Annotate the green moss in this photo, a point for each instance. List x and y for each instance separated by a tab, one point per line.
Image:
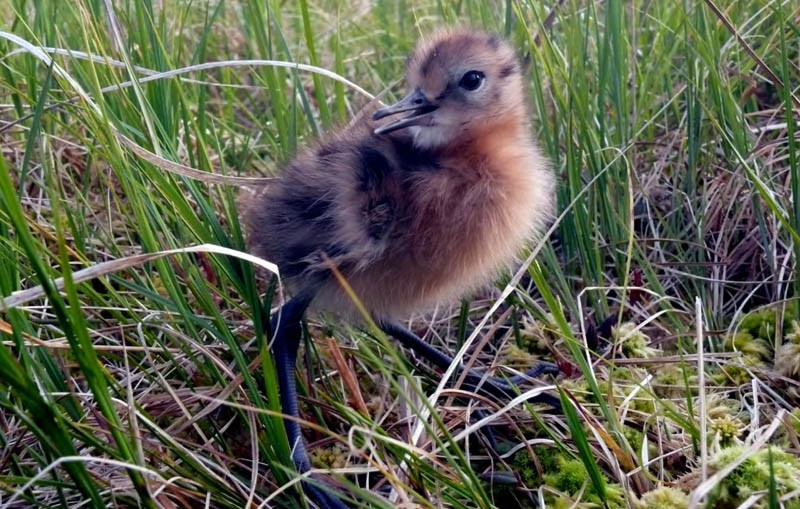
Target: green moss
549	459
726	429
615	497
578	388
634	437
610	391
664	497
537	336
516	357
571	477
763	323
753	475
624	382
634	343
334	456
670	380
749	345
732	374
794	334
629	373
794	420
522	463
719	406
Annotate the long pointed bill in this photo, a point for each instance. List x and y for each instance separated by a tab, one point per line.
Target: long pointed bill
415	102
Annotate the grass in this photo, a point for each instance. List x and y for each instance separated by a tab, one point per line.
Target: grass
131	380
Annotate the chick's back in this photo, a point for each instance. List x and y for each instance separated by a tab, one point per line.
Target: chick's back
340	203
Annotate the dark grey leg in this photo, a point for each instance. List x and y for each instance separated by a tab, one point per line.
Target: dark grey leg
287	331
496	387
491	386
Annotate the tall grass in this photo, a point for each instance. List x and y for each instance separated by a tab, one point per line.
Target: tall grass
149	382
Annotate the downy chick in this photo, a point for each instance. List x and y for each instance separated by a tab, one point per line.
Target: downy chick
421	209
414	204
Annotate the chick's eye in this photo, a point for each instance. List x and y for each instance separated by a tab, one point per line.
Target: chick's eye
471	80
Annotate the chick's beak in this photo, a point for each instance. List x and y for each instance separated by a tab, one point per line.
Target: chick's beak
415	102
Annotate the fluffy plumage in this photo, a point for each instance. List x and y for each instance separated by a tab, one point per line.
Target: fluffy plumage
415	204
422	213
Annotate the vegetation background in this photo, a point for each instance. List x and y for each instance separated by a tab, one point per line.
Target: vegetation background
134	370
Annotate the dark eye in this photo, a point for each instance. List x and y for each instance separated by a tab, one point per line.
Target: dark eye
471	80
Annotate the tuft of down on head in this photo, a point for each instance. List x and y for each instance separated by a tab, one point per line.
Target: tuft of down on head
462	83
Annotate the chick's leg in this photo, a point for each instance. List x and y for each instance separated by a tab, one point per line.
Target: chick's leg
493	386
287	331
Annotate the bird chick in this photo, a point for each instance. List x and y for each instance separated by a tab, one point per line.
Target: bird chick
414	204
420	210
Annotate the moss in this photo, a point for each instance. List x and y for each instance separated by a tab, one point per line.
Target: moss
524	465
787	360
549	459
578	388
726	430
629	373
732	374
334	456
793	336
634	437
753	475
610	391
794	420
616	388
615	497
566	475
719	406
571	477
664	497
515	357
634	343
670	380
748	345
537	336
763	323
